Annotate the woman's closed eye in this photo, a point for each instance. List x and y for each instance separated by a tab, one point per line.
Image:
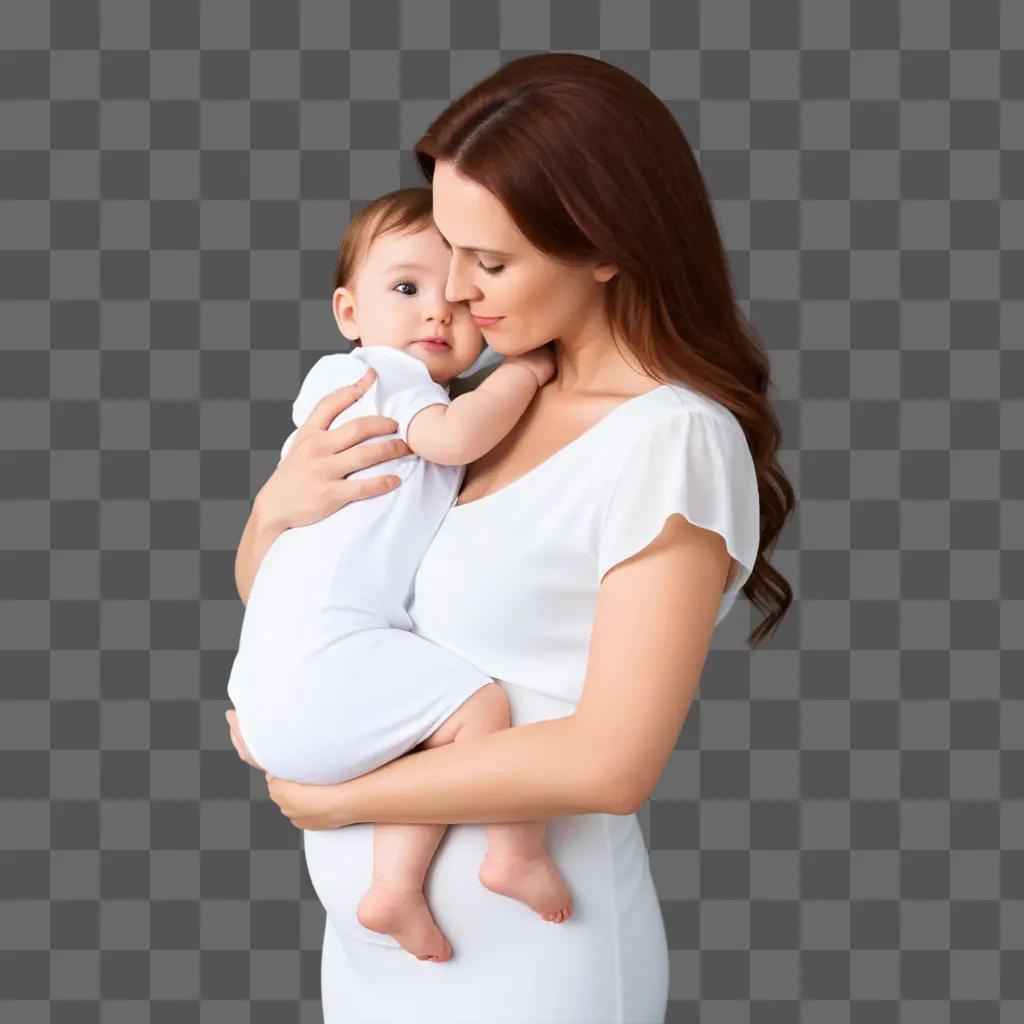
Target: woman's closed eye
489	270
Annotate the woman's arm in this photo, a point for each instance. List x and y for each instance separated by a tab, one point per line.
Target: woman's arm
655	615
259	533
527	773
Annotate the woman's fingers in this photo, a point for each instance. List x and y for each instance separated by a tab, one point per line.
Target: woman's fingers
363	455
307	807
351	432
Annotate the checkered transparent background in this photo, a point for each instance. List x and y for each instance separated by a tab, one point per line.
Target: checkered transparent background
839	836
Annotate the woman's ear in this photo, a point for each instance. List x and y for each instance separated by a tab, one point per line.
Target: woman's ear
343	304
605	272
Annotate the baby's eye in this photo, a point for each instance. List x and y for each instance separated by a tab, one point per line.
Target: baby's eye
407	284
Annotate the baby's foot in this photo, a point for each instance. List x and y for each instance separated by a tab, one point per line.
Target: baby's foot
403	914
536	882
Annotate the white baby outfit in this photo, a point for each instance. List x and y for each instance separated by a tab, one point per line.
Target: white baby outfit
329	682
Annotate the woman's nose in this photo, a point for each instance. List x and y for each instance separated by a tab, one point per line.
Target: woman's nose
458	288
440	310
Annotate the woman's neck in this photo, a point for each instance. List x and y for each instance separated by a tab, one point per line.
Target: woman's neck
589	362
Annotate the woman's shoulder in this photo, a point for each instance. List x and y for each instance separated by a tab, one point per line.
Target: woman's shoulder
682	452
679	396
671	408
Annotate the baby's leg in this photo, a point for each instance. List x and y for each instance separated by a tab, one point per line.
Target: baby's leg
327	712
517	864
395	904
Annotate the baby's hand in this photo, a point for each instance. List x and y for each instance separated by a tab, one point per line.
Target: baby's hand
540	361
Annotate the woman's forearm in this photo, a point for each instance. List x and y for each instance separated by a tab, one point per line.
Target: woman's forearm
539	770
258	535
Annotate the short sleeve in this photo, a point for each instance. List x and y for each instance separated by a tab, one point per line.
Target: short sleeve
326	375
402	389
407	387
696	463
409	403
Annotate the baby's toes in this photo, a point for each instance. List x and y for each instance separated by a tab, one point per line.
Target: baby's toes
560	915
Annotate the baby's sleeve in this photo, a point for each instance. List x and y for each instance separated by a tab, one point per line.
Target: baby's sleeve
695	463
406	386
324	376
415	400
413	389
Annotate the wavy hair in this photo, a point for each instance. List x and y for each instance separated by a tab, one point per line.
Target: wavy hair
593	167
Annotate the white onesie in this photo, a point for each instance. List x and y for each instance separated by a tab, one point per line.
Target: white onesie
329	682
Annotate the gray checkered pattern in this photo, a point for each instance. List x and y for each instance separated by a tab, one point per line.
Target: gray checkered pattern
839	835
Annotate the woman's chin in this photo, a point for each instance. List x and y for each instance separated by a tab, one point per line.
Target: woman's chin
502	347
506	345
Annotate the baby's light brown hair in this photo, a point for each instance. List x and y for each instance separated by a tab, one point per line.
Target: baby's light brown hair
405	209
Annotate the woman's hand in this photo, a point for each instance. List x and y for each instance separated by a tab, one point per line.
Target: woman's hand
308	807
310	482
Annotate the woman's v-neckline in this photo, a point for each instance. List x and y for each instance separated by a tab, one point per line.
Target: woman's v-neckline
556	454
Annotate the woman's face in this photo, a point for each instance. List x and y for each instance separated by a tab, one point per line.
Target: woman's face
498	272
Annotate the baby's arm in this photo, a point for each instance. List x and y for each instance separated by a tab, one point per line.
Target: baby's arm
472	424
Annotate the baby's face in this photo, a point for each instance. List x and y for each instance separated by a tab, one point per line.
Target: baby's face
398	301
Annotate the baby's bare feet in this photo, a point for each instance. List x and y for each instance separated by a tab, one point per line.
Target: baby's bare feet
403	914
537	882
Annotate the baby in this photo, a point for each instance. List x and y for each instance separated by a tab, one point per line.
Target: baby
329	682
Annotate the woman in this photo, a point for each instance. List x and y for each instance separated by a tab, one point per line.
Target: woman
585	563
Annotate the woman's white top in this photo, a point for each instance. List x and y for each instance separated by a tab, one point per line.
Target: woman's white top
510	582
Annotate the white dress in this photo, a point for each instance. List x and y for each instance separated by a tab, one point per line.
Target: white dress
510	583
329	682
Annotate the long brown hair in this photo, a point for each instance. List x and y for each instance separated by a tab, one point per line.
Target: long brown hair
593	167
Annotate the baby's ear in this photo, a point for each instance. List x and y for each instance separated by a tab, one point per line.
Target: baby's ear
344	308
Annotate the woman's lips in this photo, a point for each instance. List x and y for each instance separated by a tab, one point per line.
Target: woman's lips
485	321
